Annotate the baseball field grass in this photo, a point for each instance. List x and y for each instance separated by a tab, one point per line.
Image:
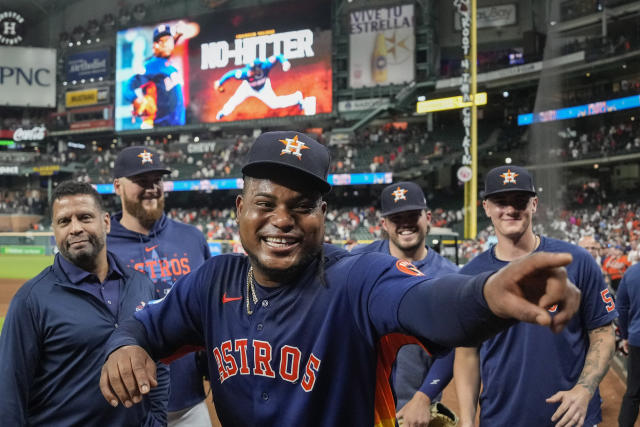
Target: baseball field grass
23	266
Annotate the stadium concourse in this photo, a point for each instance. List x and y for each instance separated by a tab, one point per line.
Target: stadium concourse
375	81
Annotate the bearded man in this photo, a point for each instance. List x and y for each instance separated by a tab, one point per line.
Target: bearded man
165	250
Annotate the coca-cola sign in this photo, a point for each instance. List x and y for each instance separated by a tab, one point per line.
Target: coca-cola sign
35	134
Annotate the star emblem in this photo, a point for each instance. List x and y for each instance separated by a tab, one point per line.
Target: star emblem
293	147
509	177
146	157
399	194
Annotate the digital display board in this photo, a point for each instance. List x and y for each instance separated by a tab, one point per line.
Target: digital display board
239	64
237	183
577	111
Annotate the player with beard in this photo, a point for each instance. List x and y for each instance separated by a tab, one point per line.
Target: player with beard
164	249
52	342
418	378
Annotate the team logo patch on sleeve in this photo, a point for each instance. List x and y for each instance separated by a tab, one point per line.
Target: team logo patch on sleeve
408	268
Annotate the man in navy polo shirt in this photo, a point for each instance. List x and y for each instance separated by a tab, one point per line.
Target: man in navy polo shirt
165	250
418	378
52	342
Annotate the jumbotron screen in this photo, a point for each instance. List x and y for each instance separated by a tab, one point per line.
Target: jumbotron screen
241	64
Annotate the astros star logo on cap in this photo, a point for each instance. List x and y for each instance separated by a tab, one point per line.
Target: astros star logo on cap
146	157
509	177
399	194
293	147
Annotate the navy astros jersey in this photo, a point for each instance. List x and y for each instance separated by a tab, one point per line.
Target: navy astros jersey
412	367
307	356
526	364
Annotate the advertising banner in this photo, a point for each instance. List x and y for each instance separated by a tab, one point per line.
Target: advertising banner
492	16
362	104
83	98
240	64
27	77
87	65
381	46
22	250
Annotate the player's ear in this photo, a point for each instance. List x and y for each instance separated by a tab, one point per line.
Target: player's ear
486	208
429	216
117	186
239	206
383	223
534	204
107	222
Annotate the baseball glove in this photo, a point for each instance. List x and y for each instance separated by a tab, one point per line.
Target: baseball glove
145	106
441	416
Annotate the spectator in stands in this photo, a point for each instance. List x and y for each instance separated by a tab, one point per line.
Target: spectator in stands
592	246
615	266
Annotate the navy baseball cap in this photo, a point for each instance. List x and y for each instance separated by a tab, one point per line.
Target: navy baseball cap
402	197
508	178
162	30
136	160
286	154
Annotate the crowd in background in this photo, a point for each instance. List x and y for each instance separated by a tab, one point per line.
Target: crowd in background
614	226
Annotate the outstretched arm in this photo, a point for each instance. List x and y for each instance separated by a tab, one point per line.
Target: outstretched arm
238	73
522	290
466	371
574	402
286	65
162	329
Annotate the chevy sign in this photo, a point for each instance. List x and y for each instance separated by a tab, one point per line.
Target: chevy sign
27	77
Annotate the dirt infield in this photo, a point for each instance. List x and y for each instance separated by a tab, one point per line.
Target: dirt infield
8	288
611	389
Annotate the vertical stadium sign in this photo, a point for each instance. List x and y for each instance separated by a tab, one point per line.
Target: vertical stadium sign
463	9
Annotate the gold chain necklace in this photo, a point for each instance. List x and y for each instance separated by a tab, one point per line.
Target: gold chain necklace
251	290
